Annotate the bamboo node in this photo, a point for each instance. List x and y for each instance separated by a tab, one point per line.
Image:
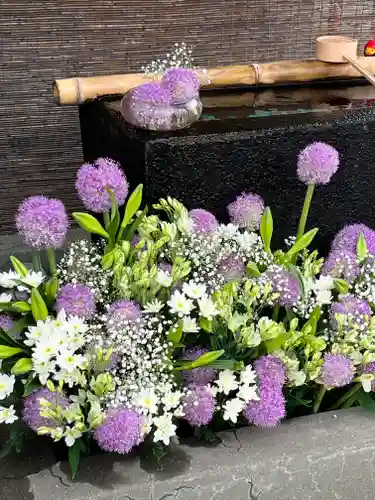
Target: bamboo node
258	73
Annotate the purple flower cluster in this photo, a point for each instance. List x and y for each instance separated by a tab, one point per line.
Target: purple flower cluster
6	322
270	409
120	431
370	368
94	180
199	406
285	285
317	163
197	376
124	310
42	222
246	211
337	370
232	267
347	238
32	408
358	310
151	93
182	84
76	299
202	221
342	263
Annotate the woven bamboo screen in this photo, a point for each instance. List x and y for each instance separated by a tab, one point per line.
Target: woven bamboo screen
46	39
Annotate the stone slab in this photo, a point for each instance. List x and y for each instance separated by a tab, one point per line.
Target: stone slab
325	457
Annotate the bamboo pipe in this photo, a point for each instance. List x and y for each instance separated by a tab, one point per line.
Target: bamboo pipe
72	91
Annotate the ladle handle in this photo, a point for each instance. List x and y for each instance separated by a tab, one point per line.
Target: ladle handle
359	68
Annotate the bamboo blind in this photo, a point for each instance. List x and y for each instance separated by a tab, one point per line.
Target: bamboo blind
47	39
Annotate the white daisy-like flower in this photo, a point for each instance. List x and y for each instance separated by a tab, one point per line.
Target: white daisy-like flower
32	279
194	290
248	375
248	393
246	240
6	385
323	297
164	279
165	428
171	399
147	400
189	325
232	409
5	298
226	382
324	283
7	280
154	306
69	361
180	304
7	415
227	230
207	308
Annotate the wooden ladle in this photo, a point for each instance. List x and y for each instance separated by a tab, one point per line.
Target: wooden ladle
340	49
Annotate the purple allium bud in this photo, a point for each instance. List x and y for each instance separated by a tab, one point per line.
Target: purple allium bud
6	322
120	431
347	238
182	84
124	310
353	306
151	93
42	222
94	180
246	211
272	369
269	410
342	264
232	267
284	284
202	221
76	299
199	406
166	267
317	163
32	408
370	368
197	376
337	370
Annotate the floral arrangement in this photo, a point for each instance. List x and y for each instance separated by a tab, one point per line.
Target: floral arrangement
169	317
171	99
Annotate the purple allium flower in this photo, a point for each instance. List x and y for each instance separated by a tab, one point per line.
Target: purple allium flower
285	284
42	222
166	267
370	368
232	267
337	370
246	211
269	410
317	163
6	322
120	431
94	180
32	407
353	306
182	84
76	299
342	264
197	376
202	220
272	369
124	310
151	93
347	238
199	406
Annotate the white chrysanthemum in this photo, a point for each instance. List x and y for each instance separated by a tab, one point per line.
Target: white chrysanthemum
226	382
165	428
6	385
32	279
153	307
207	308
180	304
194	290
164	279
7	415
189	325
5	298
248	375
147	400
8	279
232	409
248	393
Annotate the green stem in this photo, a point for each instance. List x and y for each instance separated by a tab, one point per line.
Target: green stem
346	396
319	398
52	261
107	221
305	210
276	310
37	265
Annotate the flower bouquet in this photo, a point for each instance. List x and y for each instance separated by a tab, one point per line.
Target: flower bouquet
170	319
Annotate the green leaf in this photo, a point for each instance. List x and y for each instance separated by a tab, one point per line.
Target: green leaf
132	206
252	270
205	359
361	247
342	286
266	229
302	243
8	352
366	401
21	324
75	455
107	259
312	323
31	385
227	364
175	334
205	324
22	307
298	276
14	442
20	268
113	227
275	344
114	207
23	365
90	224
134	226
38	306
52	287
